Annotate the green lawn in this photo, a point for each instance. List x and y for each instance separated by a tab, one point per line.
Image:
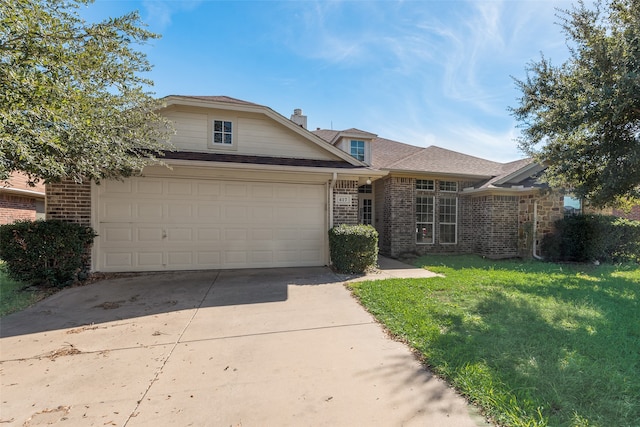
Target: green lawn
13	295
533	344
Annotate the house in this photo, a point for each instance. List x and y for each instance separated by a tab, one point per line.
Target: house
21	201
249	188
434	200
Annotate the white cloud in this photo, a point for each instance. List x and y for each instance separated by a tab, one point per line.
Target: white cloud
159	13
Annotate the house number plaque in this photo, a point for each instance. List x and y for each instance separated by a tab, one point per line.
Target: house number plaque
343	199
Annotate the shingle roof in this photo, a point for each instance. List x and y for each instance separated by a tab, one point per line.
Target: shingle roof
392	155
225	99
440	160
385	152
326	134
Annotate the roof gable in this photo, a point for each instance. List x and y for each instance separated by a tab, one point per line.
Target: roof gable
264	132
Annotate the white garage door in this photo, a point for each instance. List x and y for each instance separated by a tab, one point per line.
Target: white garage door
152	224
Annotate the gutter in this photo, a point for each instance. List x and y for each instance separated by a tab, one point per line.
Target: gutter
20	192
334	178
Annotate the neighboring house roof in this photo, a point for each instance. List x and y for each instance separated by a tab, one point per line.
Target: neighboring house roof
18	183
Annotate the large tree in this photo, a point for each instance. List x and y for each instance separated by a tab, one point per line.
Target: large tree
582	118
73	99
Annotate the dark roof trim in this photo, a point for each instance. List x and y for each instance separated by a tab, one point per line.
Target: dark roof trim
258	160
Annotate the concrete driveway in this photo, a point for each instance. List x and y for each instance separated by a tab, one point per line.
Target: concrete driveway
273	347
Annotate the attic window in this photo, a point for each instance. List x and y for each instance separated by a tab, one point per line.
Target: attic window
222	132
356	149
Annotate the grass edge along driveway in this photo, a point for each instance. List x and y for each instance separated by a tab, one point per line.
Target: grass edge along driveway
531	343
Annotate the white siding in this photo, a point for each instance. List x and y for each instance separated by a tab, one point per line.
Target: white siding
257	134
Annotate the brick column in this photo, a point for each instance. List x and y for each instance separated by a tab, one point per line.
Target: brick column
69	201
345	214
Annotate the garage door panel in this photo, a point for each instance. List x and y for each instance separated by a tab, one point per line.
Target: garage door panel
208	234
170	223
147	234
151	259
175	259
179	188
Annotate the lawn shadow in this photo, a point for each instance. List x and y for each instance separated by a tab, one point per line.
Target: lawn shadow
577	360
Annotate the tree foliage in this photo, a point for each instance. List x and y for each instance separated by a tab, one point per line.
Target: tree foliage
582	118
73	102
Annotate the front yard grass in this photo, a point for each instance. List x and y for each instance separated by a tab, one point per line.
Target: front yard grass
531	343
15	296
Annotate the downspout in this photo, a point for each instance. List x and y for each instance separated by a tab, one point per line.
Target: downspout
535	230
331	187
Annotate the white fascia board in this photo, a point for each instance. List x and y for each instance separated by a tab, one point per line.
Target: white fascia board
405	172
500	190
529	169
21	192
178	100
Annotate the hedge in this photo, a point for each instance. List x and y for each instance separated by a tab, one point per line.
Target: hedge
50	253
588	238
353	248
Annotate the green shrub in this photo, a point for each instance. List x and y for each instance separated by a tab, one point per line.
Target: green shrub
353	248
585	238
51	253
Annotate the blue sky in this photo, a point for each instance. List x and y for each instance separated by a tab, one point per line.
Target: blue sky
420	72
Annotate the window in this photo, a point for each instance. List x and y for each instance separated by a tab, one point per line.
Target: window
365	189
448	219
572	206
222	132
424	219
448	186
357	150
425	184
366	211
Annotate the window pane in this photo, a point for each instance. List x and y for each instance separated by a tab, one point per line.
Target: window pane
424	233
447	233
227	138
357	149
217	138
217	126
227	127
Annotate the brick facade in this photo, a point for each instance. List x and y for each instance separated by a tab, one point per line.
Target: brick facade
15	207
345	214
19	200
492	225
69	201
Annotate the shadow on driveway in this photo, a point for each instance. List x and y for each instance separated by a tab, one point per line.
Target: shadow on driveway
148	294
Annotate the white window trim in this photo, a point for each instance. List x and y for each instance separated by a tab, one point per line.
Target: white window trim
455	242
234	133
